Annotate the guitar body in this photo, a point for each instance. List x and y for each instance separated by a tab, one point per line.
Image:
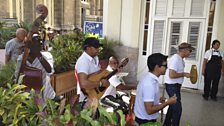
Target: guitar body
96	93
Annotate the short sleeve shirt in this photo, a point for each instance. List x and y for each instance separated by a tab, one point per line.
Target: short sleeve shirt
13	49
177	64
147	91
48	90
210	52
88	65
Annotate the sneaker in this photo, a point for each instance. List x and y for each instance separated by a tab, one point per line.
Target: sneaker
205	97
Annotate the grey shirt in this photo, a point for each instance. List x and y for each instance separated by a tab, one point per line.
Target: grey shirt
13	49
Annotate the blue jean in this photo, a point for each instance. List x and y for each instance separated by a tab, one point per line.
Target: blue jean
174	111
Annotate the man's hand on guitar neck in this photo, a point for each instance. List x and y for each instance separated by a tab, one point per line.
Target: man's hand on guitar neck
104	82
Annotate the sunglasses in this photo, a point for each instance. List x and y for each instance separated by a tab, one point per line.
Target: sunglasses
190	50
164	65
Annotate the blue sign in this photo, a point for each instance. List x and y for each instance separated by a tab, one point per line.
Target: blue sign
95	28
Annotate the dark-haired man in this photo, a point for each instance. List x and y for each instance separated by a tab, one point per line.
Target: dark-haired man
88	63
41	60
147	101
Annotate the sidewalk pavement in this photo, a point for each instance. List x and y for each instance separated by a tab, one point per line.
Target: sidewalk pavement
199	112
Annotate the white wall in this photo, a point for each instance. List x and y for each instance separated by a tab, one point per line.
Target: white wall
121	20
112	18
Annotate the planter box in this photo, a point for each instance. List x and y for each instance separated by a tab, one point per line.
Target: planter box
64	84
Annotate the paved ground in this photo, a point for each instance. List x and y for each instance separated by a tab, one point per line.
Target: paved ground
198	112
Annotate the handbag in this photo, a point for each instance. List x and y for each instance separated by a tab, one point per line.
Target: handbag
32	78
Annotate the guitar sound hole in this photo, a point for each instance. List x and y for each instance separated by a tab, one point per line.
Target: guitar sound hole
101	89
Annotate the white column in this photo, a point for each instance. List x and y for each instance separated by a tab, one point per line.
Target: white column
112	18
19	10
218	26
218	30
10	9
130	22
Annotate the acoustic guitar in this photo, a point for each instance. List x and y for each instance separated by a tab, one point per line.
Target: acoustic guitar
105	74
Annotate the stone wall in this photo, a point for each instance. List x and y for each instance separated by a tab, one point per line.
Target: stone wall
131	67
4	11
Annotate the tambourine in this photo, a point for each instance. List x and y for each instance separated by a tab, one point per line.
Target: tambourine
194	74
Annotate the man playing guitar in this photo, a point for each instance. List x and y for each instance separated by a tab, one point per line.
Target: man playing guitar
87	64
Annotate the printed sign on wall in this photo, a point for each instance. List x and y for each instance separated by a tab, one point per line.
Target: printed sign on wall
95	28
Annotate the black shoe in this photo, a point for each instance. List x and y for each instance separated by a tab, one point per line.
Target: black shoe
205	97
58	98
214	98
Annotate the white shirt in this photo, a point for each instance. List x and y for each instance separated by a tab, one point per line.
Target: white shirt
46	80
147	91
88	65
177	64
114	82
210	52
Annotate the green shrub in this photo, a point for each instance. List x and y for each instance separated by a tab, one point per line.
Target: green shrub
66	49
6	33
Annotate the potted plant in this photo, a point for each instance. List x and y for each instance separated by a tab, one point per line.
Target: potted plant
66	49
27	108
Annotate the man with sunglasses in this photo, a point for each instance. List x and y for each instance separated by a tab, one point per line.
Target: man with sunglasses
174	78
88	63
147	102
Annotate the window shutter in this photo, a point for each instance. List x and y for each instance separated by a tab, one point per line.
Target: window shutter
197	7
175	37
161	8
178	7
193	37
158	36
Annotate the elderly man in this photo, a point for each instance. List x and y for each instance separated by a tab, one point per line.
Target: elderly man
14	46
174	78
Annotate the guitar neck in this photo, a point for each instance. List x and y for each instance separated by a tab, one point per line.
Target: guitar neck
111	74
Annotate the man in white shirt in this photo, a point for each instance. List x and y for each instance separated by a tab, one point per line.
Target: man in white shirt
213	66
147	100
174	78
88	63
115	82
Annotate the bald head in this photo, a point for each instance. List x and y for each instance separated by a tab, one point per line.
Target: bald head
21	34
113	62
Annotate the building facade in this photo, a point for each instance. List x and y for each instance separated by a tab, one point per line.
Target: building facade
62	14
149	26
